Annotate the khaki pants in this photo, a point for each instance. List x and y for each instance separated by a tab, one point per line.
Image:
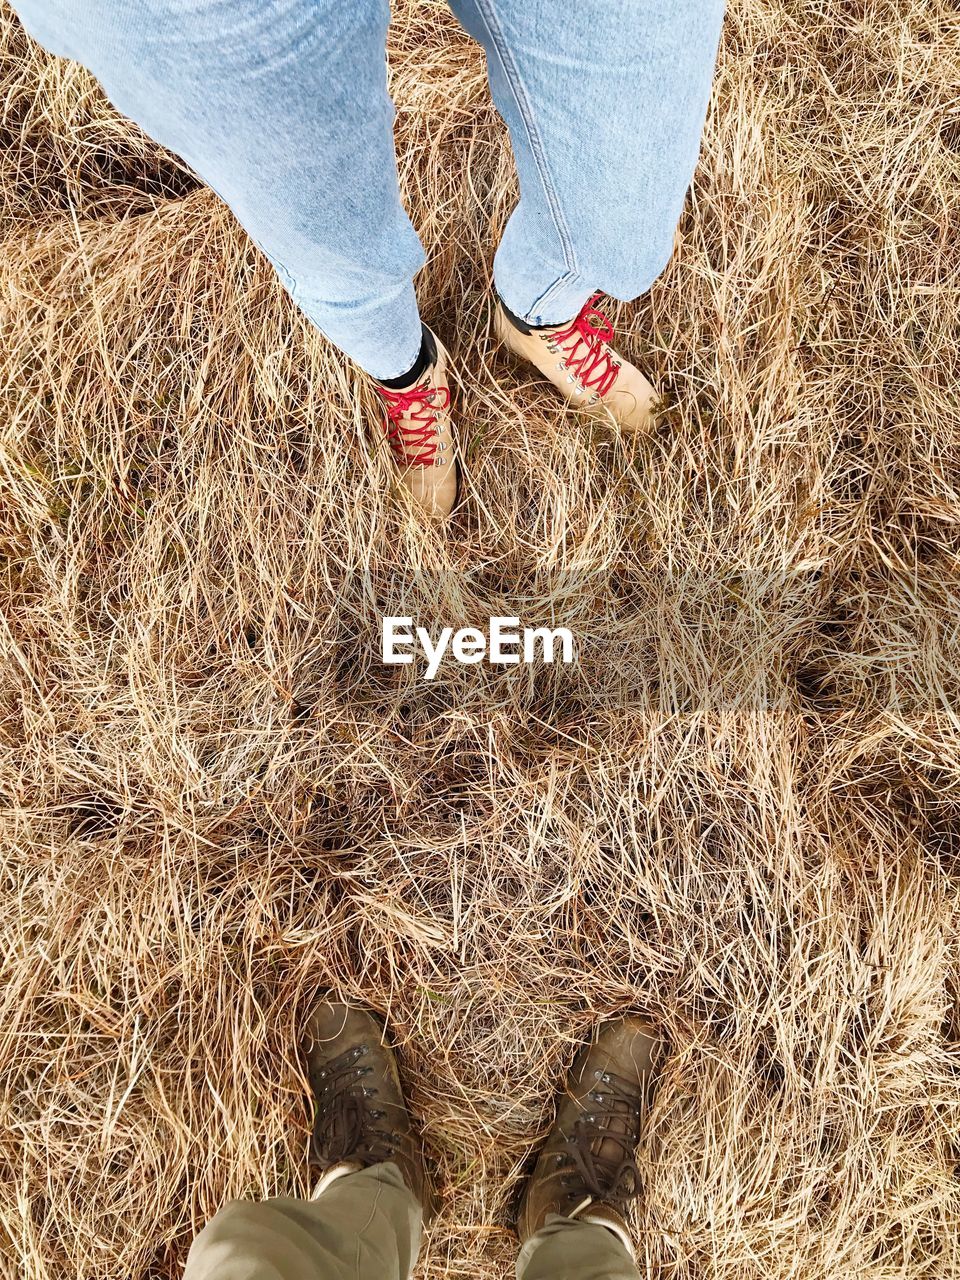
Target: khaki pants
366	1226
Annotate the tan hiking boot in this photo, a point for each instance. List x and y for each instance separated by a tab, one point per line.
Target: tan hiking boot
578	359
420	434
361	1118
587	1167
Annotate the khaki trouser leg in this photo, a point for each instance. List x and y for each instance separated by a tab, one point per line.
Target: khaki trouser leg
364	1226
573	1249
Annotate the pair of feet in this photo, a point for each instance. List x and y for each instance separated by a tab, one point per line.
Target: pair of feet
577	358
586	1169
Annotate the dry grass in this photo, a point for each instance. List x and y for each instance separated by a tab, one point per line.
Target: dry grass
740	813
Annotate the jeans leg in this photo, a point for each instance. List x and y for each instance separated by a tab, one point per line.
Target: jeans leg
364	1226
282	107
574	1249
605	102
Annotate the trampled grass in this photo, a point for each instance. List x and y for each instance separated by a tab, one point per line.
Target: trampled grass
739	813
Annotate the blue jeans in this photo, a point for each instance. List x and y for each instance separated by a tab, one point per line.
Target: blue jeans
282	107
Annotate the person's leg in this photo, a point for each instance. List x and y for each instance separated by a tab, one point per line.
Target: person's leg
572	1223
573	1249
605	102
364	1226
283	109
373	1194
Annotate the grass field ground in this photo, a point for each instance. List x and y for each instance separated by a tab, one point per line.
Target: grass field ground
740	813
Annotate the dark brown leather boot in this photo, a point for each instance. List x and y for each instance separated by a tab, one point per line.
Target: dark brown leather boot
361	1118
587	1167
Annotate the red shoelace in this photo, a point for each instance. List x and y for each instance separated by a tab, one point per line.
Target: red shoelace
413	436
596	368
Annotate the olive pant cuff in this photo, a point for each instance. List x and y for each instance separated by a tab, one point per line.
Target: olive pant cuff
575	1249
366	1224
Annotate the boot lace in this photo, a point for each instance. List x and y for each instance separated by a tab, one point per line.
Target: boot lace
346	1127
585	347
413	436
615	1178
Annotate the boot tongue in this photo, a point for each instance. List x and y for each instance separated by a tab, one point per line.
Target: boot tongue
605	1158
343	1131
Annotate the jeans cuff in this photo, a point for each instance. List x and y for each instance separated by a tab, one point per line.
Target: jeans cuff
543	302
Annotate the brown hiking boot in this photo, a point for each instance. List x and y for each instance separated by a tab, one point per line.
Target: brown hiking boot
587	1167
361	1118
578	359
420	434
